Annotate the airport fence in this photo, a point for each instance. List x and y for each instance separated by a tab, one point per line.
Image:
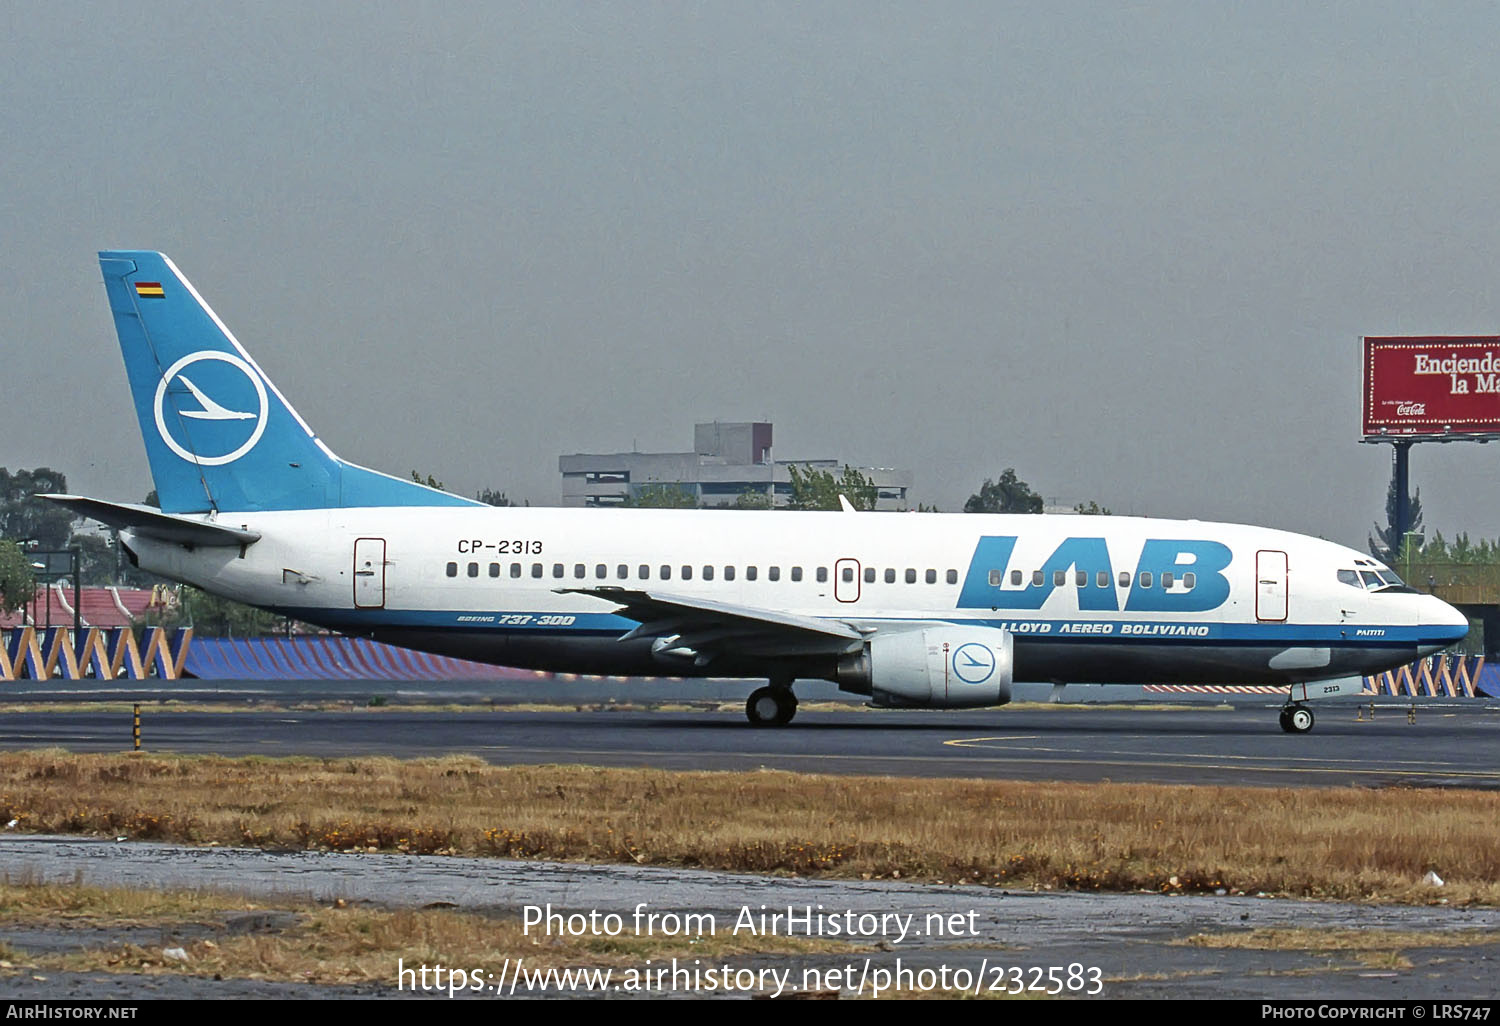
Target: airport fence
120	653
105	653
1439	676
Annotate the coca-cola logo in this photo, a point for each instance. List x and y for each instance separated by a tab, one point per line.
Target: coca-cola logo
1411	410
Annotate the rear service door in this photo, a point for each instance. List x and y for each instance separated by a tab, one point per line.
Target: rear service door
1270	585
369	573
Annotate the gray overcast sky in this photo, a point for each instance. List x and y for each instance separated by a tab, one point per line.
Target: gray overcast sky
1127	249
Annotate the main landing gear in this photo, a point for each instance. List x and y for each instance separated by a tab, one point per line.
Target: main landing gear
772	706
1296	718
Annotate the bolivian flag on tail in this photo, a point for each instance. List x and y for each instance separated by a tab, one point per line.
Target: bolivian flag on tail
149	289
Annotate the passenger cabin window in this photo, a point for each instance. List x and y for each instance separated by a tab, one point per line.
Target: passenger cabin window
774	573
952	577
869	575
1081	578
796	573
1102	580
751	573
536	571
995	578
452	569
890	575
578	570
666	572
931	577
822	574
1189	580
622	572
515	569
473	569
557	569
911	576
1059	578
1124	578
643	572
601	571
729	573
1166	578
494	569
1145	578
1015	578
708	572
1036	578
687	572
847	574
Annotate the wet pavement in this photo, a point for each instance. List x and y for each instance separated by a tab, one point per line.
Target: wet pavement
1120	945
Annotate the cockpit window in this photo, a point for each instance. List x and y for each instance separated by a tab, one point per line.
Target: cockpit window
1372	580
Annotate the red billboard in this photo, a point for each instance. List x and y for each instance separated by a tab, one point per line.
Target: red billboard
1432	387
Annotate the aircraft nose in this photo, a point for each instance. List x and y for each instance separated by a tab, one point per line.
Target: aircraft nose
1441	622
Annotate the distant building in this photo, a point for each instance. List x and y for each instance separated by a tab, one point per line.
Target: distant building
727	461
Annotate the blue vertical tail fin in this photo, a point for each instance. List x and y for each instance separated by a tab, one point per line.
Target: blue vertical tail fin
219	435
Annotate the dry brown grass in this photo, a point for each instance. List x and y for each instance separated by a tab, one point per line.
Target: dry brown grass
1337	842
1336	939
335	944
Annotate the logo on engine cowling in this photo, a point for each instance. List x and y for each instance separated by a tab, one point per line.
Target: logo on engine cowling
973	663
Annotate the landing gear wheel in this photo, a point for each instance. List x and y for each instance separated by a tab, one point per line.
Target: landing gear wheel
771	707
1296	719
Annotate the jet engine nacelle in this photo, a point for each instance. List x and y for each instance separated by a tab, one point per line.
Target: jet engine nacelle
934	667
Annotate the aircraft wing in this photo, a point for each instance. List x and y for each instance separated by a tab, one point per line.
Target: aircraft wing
704	629
153	523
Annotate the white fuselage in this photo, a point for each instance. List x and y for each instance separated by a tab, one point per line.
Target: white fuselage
1090	599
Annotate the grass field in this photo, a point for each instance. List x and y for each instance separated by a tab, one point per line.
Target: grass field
1327	843
326	944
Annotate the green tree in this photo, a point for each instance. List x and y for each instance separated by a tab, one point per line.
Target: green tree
662	496
213	616
819	489
752	498
24	517
17	582
431	481
1384	545
491	497
1093	509
97	561
1008	495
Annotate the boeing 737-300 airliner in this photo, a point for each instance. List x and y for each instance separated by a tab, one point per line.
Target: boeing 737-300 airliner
910	609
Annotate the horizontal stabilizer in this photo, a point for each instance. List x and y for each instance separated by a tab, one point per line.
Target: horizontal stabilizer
153	523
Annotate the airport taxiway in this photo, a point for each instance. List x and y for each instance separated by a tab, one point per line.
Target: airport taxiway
1450	745
1139	941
